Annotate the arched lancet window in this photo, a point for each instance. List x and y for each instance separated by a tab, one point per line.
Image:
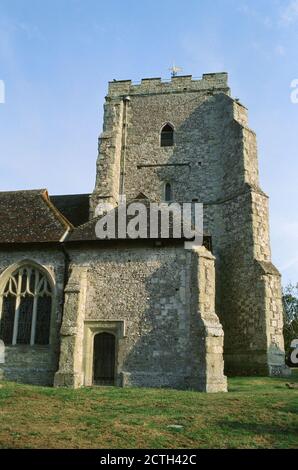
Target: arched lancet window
26	306
167	136
168	192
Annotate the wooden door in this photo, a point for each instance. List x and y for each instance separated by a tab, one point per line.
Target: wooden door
104	359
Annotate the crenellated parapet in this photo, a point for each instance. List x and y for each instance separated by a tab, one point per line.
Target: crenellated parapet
209	81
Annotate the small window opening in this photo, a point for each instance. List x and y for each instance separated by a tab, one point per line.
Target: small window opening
167	136
168	192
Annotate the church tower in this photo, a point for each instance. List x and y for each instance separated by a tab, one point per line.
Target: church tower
188	140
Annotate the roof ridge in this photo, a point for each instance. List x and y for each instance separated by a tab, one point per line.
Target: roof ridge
62	219
69	195
25	191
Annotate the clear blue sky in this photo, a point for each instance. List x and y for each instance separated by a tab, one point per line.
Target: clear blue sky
56	57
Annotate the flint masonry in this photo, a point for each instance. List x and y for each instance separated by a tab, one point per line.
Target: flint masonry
79	311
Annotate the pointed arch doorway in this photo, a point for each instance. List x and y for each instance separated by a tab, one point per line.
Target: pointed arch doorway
104	353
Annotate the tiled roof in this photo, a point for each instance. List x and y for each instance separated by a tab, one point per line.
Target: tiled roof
75	207
87	231
33	217
30	217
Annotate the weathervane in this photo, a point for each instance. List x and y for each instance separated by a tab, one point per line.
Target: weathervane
174	69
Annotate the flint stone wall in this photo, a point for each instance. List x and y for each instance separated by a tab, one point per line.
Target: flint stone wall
165	299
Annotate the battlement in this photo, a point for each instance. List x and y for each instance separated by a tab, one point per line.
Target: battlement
209	81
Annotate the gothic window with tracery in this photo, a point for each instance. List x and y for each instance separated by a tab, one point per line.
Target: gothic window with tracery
26	306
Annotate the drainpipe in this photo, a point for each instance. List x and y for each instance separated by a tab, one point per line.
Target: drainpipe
65	280
66	268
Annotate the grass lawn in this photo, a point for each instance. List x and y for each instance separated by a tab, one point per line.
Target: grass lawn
256	413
